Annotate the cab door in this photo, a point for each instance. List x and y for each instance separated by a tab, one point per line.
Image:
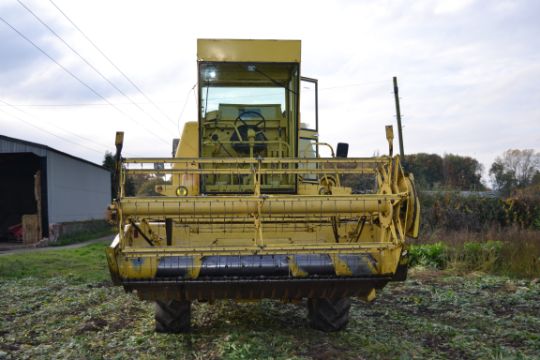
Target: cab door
309	123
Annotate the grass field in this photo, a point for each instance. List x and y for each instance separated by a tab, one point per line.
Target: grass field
60	304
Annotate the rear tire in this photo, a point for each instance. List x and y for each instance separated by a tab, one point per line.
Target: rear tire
173	316
328	314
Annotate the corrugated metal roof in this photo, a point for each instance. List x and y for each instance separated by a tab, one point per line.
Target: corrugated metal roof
13	145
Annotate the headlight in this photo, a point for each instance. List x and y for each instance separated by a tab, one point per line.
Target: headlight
181	191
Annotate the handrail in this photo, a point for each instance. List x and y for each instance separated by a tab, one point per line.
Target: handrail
328	248
224	160
248	171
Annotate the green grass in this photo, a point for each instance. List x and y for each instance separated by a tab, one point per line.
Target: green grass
84	264
84	236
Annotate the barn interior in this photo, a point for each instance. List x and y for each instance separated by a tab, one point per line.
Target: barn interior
23	198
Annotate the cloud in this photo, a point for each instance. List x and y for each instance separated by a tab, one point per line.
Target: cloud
19	57
29	74
451	6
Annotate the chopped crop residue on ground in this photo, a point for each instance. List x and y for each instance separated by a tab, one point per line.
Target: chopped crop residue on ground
432	315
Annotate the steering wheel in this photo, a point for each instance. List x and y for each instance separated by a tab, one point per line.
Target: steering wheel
240	133
244	123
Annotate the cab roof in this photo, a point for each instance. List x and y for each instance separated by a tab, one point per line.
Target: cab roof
236	50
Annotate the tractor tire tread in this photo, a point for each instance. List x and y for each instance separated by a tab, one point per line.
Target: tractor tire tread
173	316
329	315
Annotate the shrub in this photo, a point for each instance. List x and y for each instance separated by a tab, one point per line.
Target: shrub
478	256
430	255
513	252
478	212
452	211
523	208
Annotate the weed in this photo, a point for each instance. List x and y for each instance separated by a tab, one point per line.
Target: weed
430	255
512	252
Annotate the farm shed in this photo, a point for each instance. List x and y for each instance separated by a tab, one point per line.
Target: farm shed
41	189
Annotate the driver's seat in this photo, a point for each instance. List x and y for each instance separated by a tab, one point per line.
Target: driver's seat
241	145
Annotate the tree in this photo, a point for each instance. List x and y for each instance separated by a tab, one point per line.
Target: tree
110	163
462	172
147	188
427	169
503	180
536	179
515	169
431	171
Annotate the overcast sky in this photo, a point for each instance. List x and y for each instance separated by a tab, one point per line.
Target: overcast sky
469	71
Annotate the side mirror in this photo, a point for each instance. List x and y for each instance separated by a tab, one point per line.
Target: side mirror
342	150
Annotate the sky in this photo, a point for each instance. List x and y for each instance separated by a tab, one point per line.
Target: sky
468	71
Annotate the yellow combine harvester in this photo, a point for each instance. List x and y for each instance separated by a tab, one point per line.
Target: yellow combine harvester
250	209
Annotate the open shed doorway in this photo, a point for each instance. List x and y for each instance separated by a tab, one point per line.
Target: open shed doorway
23	198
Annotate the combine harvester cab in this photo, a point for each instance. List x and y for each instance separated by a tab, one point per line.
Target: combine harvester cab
248	208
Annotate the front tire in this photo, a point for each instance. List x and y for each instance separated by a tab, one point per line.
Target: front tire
328	314
173	316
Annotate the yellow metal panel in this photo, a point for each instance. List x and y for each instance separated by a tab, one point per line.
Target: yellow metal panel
187	147
111	253
369	297
229	50
189	142
271	204
137	268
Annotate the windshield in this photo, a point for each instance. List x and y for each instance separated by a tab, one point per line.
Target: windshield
213	97
247	110
247	84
